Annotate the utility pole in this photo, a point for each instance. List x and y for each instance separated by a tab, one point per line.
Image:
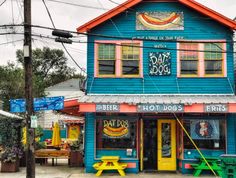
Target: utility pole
30	144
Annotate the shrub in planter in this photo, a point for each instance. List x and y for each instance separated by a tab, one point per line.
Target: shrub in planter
10	159
76	152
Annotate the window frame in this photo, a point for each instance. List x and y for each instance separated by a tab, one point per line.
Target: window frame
118	59
201	60
224	126
134	118
190	75
121	58
212	75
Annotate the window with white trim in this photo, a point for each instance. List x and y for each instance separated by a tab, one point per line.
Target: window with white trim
118	59
201	59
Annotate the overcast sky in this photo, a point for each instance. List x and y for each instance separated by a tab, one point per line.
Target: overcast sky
67	17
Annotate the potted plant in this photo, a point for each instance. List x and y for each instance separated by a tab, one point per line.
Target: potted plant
11	146
10	159
76	152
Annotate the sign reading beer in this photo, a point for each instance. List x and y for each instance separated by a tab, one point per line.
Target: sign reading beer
216	108
115	128
107	107
160	108
159	63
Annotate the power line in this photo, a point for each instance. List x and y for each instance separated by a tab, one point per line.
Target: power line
143	47
62	43
3	2
113	23
46	43
124	38
114	2
78	5
10	42
49	14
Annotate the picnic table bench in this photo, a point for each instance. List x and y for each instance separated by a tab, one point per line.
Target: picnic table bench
53	154
110	163
201	166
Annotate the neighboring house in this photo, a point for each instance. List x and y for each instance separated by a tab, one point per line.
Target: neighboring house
6	114
70	89
152	65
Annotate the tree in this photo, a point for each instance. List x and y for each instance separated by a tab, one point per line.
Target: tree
49	68
50	65
12	84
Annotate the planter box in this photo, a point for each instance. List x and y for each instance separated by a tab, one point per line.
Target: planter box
10	167
76	159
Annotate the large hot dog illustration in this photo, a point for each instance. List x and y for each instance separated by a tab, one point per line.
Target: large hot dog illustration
115	132
155	23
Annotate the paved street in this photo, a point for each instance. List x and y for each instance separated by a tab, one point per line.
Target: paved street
63	171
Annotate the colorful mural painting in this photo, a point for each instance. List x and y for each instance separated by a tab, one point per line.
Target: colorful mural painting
73	131
116	128
205	129
159	21
159	63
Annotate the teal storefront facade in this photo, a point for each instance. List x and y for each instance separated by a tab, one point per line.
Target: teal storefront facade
150	65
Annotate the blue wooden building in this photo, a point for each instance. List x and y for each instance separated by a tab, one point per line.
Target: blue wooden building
155	67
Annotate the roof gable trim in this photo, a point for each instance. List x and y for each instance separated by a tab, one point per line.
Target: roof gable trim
130	3
111	13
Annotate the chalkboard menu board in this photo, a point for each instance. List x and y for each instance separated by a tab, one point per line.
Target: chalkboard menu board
159	63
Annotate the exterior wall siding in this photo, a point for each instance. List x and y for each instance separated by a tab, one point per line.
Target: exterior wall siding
89	142
231	134
196	27
90	148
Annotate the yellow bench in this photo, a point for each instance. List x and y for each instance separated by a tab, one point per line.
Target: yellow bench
110	163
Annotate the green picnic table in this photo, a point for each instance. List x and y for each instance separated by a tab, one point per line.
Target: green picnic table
201	165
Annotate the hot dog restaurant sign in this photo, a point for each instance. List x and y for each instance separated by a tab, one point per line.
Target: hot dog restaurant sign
116	128
159	20
161	108
159	63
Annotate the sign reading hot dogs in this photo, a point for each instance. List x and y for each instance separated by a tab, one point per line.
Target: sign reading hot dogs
116	128
160	108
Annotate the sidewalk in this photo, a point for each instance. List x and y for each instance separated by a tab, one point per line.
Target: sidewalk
63	171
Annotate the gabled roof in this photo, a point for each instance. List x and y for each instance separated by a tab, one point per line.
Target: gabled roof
130	3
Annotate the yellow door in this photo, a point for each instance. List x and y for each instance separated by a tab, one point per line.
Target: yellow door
141	145
166	139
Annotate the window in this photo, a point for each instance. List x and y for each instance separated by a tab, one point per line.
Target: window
213	60
118	59
130	59
106	59
116	133
189	59
207	134
201	59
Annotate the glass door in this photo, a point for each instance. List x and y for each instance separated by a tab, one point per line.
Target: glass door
166	139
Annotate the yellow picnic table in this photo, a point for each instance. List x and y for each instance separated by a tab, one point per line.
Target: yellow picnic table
110	163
